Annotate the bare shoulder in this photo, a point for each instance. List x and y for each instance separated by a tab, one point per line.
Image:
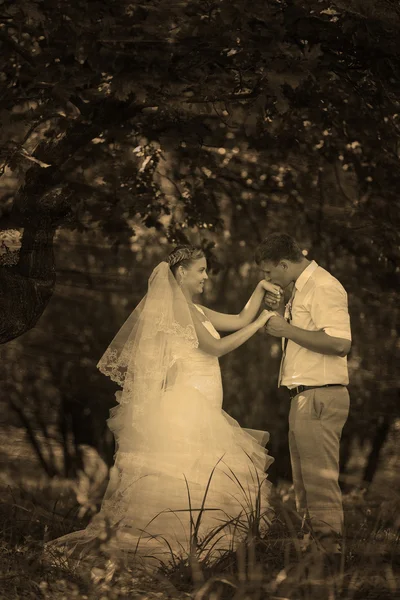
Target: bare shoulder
197	311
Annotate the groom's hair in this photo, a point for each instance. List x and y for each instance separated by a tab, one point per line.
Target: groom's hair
276	247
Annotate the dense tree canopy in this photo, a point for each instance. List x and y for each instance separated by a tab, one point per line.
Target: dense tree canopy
278	103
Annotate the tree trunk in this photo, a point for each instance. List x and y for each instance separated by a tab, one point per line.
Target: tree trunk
27	284
73	458
378	442
26	288
42	204
48	467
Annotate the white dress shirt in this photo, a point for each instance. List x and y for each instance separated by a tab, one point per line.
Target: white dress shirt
319	303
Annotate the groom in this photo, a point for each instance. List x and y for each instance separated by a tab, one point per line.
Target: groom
316	340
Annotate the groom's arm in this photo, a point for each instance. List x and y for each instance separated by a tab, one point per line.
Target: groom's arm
317	341
329	313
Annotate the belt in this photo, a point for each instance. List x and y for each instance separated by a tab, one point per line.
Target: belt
302	388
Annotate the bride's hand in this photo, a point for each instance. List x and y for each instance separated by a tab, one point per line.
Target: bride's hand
264	317
270	287
274	297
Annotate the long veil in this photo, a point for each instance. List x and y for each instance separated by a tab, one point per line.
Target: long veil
142	359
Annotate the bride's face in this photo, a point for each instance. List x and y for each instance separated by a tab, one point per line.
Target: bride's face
192	278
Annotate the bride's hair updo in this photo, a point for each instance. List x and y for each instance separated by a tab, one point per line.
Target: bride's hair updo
184	256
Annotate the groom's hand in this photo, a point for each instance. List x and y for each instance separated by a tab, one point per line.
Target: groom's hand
277	326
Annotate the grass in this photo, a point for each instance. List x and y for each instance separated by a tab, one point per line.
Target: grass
274	566
277	566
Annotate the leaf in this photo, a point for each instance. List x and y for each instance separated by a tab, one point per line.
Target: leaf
123	87
329	11
26	154
33	15
312	53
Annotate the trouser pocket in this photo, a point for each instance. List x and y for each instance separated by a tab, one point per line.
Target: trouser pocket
317	404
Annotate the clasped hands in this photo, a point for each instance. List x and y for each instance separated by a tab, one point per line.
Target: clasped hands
274	300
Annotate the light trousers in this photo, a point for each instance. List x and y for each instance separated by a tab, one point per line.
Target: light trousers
316	420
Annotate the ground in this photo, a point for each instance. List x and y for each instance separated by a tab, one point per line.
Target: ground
35	509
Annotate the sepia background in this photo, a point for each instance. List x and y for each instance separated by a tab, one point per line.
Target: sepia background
126	129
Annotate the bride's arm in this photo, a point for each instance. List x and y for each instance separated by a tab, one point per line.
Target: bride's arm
224	322
219	347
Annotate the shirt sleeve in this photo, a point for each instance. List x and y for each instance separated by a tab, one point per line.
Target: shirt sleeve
329	310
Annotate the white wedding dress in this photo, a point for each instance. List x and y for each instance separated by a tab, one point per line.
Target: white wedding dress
149	493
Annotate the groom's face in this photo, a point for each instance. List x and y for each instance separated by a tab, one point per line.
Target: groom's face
277	274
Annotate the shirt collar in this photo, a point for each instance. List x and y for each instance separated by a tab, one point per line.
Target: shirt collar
305	275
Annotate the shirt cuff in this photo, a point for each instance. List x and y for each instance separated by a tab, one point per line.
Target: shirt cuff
340	333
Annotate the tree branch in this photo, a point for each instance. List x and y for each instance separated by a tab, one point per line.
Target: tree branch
18	49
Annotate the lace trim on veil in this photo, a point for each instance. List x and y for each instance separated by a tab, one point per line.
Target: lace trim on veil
113	365
140	356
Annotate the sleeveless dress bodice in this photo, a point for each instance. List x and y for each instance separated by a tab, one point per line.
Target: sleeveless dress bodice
199	369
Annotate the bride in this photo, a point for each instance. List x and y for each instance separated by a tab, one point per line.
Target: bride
184	470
